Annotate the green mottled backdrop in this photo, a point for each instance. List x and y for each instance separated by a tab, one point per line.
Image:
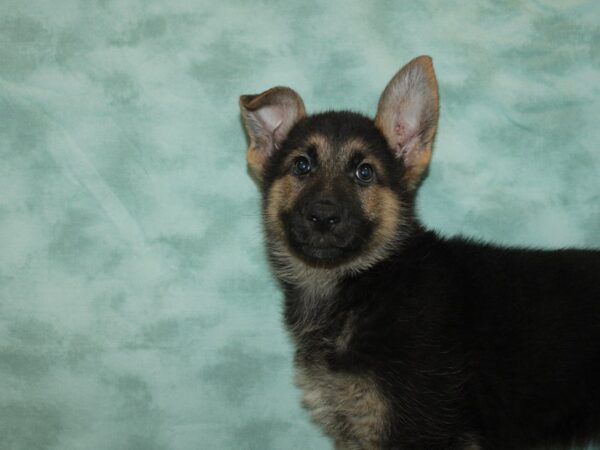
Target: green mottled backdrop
136	307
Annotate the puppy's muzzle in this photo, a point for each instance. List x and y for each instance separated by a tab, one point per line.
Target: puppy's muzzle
324	229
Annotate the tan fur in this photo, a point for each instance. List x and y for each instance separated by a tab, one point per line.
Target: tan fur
348	148
327	153
320	141
351	408
255	160
280	198
323	147
382	206
343	340
418	165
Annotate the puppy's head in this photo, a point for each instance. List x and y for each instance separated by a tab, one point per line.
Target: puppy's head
338	186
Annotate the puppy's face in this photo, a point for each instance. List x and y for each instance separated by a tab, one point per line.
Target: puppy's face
332	191
337	186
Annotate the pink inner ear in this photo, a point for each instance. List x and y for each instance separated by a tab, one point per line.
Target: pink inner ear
405	133
271	117
277	121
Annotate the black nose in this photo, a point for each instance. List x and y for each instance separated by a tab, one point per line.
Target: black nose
324	215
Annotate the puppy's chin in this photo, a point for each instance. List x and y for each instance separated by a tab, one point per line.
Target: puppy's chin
322	256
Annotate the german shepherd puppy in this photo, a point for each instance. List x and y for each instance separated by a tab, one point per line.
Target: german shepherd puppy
405	339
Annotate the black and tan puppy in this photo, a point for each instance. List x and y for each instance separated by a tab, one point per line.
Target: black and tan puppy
406	340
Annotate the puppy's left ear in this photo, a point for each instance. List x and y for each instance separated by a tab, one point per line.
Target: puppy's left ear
268	118
407	115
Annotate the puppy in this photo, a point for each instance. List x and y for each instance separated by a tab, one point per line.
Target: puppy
405	339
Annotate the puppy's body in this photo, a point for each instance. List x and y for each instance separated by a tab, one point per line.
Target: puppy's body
404	339
456	345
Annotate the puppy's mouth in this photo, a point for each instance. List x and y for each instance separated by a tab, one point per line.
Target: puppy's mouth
322	253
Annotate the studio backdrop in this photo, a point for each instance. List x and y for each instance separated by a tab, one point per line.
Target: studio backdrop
137	310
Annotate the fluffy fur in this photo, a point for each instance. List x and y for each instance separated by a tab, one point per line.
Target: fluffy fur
404	339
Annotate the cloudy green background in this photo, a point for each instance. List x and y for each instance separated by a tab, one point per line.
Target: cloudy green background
136	307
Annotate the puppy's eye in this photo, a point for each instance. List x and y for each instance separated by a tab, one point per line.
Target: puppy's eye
365	173
301	166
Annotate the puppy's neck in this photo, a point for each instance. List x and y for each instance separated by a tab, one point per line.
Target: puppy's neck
311	294
313	290
309	283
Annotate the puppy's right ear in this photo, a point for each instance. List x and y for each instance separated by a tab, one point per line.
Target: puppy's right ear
268	118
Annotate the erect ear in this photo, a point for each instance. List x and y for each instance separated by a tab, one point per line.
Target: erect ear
407	115
268	118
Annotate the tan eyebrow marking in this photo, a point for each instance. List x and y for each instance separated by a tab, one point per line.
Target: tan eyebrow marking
320	142
350	147
359	145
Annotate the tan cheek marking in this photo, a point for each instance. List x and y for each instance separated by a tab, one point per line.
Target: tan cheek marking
281	197
382	206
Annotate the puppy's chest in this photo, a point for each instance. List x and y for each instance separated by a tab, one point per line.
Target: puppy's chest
348	404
